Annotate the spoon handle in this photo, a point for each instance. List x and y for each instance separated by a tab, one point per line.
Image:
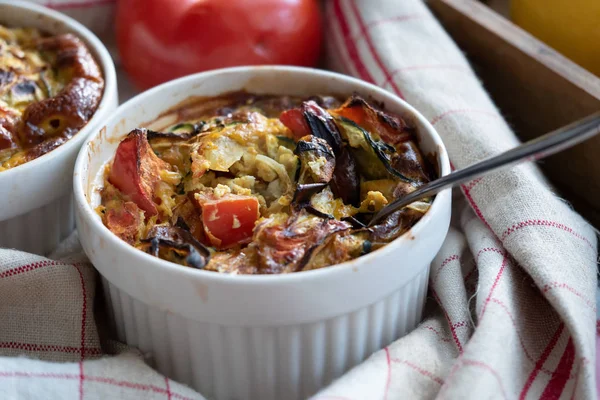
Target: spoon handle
532	150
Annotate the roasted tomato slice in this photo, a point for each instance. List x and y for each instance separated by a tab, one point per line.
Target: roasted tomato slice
295	121
391	129
136	170
229	221
125	221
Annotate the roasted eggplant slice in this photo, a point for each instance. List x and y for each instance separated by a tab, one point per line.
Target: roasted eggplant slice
345	180
310	119
317	161
322	125
284	243
395	225
408	159
176	245
318	213
180	131
334	249
305	191
187	216
268	195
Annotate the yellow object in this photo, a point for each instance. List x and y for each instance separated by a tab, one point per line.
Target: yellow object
570	26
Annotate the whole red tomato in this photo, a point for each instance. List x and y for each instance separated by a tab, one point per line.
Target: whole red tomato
160	40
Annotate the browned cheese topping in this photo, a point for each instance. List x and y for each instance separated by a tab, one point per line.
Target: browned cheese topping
248	184
50	86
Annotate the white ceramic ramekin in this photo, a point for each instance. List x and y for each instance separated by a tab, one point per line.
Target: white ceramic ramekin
258	337
36	198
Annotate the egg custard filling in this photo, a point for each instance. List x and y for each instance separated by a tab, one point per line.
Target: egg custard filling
260	184
50	86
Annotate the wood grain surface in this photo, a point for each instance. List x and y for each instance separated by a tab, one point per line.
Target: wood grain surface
536	88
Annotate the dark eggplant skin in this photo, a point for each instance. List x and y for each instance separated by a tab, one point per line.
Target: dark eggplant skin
408	158
318	213
178	238
314	144
345	182
305	191
196	129
395	225
321	125
311	148
297	234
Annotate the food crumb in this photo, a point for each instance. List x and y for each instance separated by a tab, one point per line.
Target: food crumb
213	216
236	222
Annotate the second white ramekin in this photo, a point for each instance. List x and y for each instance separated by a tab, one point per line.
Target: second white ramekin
36	205
258	337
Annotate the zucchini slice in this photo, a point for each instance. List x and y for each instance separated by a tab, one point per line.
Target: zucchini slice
368	151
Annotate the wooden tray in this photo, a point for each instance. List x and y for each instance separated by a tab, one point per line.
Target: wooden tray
537	90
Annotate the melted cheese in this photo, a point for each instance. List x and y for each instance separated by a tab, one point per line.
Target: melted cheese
29	75
251	156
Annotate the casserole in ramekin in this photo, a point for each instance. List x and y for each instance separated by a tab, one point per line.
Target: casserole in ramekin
259	336
36	206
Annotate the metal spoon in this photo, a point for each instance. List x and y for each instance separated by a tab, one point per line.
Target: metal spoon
535	149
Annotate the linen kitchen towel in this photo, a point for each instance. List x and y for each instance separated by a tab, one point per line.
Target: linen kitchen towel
512	308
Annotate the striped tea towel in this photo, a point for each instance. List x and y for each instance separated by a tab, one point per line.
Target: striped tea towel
512	310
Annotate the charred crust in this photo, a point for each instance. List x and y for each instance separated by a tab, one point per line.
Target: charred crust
45	147
71	52
177	238
313	143
356	101
387	119
6	138
395	123
142	146
73	106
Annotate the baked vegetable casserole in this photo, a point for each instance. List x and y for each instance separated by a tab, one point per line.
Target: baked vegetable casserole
261	184
50	86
